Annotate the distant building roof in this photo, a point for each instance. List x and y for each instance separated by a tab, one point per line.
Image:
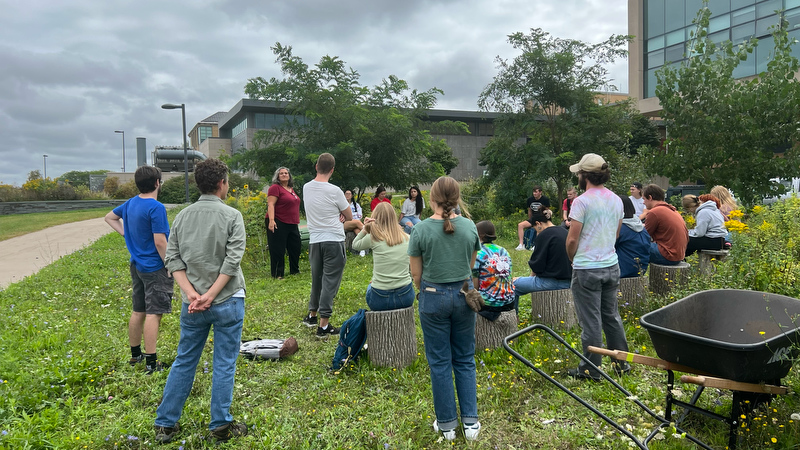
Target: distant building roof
214	118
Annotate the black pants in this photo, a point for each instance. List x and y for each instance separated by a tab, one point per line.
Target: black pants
285	239
704	243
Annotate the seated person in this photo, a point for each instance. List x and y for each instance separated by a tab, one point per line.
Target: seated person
352	227
411	209
391	286
534	203
380	196
551	269
666	228
633	243
709	231
492	274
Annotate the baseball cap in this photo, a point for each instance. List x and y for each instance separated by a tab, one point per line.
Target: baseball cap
591	162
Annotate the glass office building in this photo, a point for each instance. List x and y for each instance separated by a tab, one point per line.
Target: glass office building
667	28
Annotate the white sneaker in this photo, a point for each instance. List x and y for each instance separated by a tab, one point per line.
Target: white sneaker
520	247
362	253
471	432
449	435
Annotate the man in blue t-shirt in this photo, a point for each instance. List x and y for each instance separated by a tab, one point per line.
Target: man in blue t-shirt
142	220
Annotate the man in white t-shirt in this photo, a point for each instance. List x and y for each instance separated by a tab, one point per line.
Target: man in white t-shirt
324	203
596	217
636	198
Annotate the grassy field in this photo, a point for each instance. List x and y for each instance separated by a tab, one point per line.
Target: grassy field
65	381
18	224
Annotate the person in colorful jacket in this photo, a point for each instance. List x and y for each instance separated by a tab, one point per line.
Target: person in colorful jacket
492	274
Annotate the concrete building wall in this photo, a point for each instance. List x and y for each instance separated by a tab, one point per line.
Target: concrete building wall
213	147
467	149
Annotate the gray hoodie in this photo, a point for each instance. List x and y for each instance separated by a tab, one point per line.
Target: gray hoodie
709	221
634	224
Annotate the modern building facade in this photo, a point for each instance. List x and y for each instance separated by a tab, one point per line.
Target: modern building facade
662	31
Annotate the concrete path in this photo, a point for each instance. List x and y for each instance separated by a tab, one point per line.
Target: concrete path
25	255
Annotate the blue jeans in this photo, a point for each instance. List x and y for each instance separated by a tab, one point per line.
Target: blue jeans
385	300
448	327
227	319
526	285
594	292
414	220
657	258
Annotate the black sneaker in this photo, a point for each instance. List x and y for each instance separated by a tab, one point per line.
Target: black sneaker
228	431
157	367
166	434
325	332
310	321
578	375
136	359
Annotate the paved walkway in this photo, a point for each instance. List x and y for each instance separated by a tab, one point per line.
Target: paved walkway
25	255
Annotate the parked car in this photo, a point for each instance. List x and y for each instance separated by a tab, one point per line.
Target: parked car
792	187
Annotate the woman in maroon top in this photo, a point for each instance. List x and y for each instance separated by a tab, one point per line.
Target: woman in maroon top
283	216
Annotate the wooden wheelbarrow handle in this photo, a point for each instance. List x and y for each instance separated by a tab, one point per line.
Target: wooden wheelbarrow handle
722	383
646	360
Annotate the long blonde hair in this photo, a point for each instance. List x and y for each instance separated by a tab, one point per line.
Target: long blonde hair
446	193
385	227
724	196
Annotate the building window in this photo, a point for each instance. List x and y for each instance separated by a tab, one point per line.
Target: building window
204	132
240	127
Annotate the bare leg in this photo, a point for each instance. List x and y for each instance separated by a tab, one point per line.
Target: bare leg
521	227
136	328
151	323
354	225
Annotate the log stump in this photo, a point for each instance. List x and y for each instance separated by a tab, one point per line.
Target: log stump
349	237
490	334
707	258
553	308
664	278
632	290
392	337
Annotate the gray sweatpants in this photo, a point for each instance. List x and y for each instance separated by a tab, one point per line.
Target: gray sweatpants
327	266
594	292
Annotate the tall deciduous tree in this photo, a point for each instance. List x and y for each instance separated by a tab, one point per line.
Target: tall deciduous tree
377	135
551	118
726	131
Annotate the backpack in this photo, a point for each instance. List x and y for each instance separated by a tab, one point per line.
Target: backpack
352	336
268	348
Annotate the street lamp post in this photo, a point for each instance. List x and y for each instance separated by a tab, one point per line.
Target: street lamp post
44	161
123	149
182	107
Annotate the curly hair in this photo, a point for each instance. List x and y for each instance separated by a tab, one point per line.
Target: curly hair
209	173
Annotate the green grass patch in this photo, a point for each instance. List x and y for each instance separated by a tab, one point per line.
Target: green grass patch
65	381
18	224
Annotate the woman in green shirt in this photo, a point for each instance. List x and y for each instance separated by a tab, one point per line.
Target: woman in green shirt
391	286
443	249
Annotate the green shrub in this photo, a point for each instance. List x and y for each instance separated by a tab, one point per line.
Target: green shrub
174	190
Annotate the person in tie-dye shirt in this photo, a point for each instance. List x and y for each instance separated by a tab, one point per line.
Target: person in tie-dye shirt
596	217
492	274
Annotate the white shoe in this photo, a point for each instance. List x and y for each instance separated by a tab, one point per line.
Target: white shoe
471	432
449	435
520	247
362	253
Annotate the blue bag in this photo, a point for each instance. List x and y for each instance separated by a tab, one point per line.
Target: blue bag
529	237
352	336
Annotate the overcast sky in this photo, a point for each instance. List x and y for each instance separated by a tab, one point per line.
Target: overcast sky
72	72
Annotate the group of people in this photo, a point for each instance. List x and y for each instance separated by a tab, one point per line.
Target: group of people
602	239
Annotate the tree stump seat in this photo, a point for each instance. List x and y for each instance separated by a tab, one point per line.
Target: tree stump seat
553	308
392	337
664	278
490	334
706	259
632	290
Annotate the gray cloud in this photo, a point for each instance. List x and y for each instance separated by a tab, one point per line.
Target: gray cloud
73	72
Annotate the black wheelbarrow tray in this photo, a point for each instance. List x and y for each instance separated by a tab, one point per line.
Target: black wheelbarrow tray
745	336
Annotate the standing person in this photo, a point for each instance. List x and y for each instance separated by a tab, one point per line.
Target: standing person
380	196
325	205
533	204
567	206
204	255
283	218
551	269
727	203
142	220
391	286
411	209
666	228
596	220
709	231
633	243
491	274
636	198
443	248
